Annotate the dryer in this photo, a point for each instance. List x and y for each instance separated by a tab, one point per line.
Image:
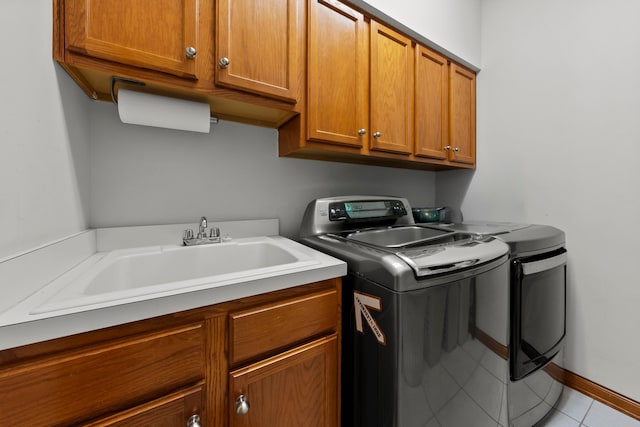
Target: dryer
538	277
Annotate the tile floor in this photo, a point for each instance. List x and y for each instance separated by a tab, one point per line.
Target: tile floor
574	409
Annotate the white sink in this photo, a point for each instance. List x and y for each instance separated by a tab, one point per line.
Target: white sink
129	275
176	264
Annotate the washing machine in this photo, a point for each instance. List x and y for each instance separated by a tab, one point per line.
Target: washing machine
425	333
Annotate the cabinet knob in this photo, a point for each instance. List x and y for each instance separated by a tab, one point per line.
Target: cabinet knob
447	147
194	421
224	62
456	149
362	131
242	405
191	52
377	134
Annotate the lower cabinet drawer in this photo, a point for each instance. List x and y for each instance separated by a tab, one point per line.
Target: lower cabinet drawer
261	331
74	386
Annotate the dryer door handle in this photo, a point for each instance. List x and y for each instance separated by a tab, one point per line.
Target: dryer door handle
534	267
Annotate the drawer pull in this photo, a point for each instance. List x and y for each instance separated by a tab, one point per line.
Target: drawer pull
194	421
242	405
190	51
224	62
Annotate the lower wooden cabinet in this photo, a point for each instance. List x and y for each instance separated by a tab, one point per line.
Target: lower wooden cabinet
183	408
83	383
177	370
296	388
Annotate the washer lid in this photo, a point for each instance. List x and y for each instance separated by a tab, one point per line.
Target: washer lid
437	259
393	237
430	250
486	228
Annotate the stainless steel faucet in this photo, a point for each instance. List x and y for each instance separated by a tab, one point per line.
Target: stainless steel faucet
201	238
203	228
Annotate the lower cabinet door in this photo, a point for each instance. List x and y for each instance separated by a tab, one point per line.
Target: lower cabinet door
295	388
182	408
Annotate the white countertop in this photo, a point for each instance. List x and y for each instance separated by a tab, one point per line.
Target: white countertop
30	279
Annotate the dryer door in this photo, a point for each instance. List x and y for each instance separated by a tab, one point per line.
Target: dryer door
538	315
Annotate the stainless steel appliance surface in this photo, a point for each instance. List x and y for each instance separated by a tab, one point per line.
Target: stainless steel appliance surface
425	315
538	315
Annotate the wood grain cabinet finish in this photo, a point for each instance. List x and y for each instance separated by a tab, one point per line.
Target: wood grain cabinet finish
174	410
338	75
260	331
462	115
132	32
431	104
391	90
296	388
69	387
258	46
376	96
162	371
170	46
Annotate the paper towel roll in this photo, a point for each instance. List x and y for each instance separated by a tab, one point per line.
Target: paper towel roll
159	111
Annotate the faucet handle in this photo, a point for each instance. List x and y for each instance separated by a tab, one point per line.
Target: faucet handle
188	234
214	232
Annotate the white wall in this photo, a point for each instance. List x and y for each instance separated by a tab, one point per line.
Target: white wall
452	24
142	175
559	143
43	135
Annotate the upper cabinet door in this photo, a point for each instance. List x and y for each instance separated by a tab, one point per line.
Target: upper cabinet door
431	124
462	112
160	35
338	74
391	90
257	46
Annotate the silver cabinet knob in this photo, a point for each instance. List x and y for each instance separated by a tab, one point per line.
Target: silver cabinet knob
447	147
191	52
194	421
456	149
377	134
242	405
362	132
224	62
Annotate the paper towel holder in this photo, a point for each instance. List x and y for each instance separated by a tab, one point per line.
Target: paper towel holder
116	79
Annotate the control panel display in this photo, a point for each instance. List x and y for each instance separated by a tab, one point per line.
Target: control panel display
366	210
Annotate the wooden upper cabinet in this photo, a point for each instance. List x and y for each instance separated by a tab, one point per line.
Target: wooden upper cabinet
134	33
296	388
431	95
391	90
257	46
462	115
337	74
